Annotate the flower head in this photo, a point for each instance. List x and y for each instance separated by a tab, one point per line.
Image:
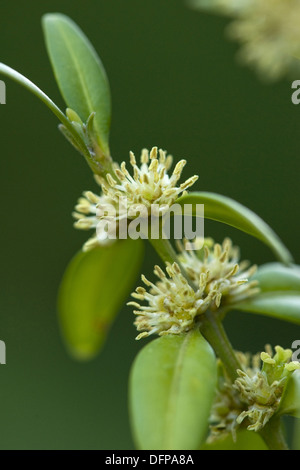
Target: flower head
173	303
174	306
126	196
227	405
263	389
224	273
256	394
268	30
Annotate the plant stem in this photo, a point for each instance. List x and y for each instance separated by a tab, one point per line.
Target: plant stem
273	436
164	249
213	331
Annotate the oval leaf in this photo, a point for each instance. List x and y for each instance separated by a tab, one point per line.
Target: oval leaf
291	401
79	73
172	387
280	305
226	210
93	289
276	276
245	440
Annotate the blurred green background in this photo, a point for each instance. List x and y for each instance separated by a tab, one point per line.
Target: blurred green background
175	83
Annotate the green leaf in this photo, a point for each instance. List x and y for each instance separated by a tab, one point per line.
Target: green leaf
291	401
93	289
246	440
280	305
276	276
26	83
79	73
172	386
226	210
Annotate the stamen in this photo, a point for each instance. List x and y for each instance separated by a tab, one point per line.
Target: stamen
132	159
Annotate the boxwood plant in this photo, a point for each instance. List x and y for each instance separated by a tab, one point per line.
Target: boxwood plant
188	387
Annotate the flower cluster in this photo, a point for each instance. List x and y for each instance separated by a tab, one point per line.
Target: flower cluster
126	196
267	29
173	303
174	306
227	405
256	394
224	273
263	389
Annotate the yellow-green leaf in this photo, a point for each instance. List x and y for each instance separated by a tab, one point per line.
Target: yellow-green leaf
172	386
281	305
93	289
226	210
291	401
79	73
277	276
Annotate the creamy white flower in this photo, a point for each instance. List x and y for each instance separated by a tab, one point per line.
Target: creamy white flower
263	389
267	29
172	303
149	186
224	273
175	307
256	394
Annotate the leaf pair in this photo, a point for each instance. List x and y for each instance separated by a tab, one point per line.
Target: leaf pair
154	371
84	86
275	276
